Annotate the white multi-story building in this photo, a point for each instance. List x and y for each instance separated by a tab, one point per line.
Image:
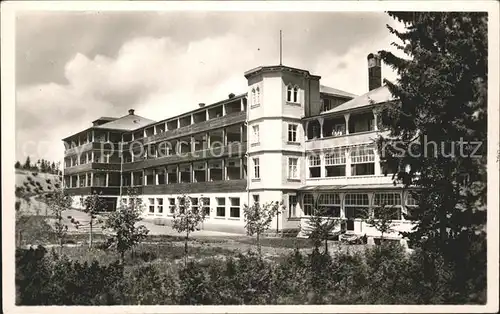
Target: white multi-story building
287	139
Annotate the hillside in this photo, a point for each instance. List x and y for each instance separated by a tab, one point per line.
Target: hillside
29	185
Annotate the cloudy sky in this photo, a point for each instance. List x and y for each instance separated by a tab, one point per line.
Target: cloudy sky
74	67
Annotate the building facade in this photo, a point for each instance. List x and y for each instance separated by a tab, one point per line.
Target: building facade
287	139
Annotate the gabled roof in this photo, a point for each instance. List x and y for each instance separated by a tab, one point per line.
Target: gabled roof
336	92
375	96
129	122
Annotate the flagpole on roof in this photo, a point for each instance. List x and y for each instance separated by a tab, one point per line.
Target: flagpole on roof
281	48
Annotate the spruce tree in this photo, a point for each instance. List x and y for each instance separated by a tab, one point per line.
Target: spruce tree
27	163
441	98
438	136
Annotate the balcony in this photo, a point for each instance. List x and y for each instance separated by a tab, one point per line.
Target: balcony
343	140
88	190
92	166
215	123
105	146
197	187
235	150
362	180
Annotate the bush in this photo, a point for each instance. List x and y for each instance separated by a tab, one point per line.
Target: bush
55	280
34	174
384	274
147	285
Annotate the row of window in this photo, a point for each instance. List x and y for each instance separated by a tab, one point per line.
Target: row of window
358	155
293	168
292	133
292	94
356	205
156	206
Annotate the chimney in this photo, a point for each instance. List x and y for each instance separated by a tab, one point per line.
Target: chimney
374	71
131	111
201	104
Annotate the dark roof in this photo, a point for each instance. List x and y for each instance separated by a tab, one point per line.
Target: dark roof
129	122
336	92
375	96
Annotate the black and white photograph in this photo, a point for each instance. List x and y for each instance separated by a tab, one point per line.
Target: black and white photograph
338	156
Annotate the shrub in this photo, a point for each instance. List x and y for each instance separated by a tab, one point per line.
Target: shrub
147	285
34	174
48	181
56	280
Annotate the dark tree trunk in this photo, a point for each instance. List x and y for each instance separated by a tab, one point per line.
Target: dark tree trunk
90	234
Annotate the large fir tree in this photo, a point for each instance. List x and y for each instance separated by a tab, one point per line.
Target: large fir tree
441	98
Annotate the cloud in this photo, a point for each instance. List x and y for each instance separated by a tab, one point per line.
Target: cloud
163	64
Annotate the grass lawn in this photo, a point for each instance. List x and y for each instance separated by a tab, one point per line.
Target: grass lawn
170	249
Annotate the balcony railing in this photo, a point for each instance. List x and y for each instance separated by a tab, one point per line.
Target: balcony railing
92	166
234	150
88	190
105	146
343	140
215	123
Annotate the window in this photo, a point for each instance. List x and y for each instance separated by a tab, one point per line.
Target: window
151	205
292	94
289	93
362	154
234	210
82	181
356	205
255	134
205	203
326	105
256	198
410	200
160	173
308	204
411	203
336	157
330	203
335	163
159	202
150	179
293	172
292	205
171	205
194	204
392	202
254	99
363	160
221	206
257	100
314	166
256	168
292	133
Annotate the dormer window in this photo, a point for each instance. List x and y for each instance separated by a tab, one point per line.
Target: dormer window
257	99
296	94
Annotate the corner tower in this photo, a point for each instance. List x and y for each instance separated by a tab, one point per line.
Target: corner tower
278	98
